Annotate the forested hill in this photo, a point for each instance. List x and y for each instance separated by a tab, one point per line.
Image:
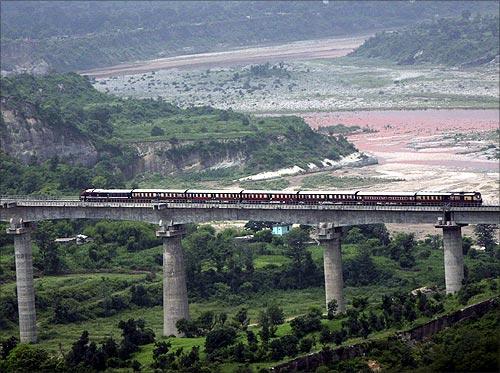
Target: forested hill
465	41
80	35
59	134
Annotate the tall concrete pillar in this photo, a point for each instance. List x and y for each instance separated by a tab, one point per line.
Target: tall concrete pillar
175	300
453	257
24	280
329	237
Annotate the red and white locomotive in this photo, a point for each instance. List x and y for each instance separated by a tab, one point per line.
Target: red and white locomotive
283	197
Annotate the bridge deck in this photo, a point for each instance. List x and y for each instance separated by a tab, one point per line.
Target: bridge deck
31	209
5	202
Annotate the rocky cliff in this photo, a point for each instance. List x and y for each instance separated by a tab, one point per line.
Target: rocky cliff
168	157
29	139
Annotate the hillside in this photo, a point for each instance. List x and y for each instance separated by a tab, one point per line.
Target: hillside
231	284
466	41
39	36
58	133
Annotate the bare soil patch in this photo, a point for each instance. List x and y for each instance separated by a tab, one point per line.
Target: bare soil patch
302	50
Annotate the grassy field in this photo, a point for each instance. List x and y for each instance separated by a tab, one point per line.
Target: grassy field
191	127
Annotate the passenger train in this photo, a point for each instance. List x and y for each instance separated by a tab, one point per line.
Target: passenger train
356	197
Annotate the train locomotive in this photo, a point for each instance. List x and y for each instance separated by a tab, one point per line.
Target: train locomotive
357	197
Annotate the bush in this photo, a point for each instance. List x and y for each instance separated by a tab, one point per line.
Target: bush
468	291
157	131
306	344
27	358
303	325
219	338
67	311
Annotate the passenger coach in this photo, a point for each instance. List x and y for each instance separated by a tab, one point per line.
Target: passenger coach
422	198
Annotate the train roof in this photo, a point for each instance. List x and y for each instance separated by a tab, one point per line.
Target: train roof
111	190
427	193
159	190
220	191
402	194
305	192
263	191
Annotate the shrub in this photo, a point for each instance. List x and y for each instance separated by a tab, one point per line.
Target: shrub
219	338
306	344
303	325
157	131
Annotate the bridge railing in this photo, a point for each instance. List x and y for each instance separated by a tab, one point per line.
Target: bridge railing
73	201
39	198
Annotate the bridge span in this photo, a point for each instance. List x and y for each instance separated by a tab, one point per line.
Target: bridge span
32	210
22	212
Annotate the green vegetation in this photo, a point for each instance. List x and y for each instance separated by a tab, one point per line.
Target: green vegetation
69	103
87	34
342	129
469	346
235	288
468	41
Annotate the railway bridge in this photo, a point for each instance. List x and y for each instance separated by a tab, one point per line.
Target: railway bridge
23	212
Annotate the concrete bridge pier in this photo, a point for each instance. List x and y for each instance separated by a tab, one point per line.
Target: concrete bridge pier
175	300
24	280
453	256
329	237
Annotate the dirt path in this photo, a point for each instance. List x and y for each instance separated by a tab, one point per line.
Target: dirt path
301	50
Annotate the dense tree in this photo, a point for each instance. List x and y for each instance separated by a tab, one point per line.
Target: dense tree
7	345
157	131
401	249
242	318
306	344
332	307
485	235
361	270
310	322
140	296
219	338
27	358
134	335
66	311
